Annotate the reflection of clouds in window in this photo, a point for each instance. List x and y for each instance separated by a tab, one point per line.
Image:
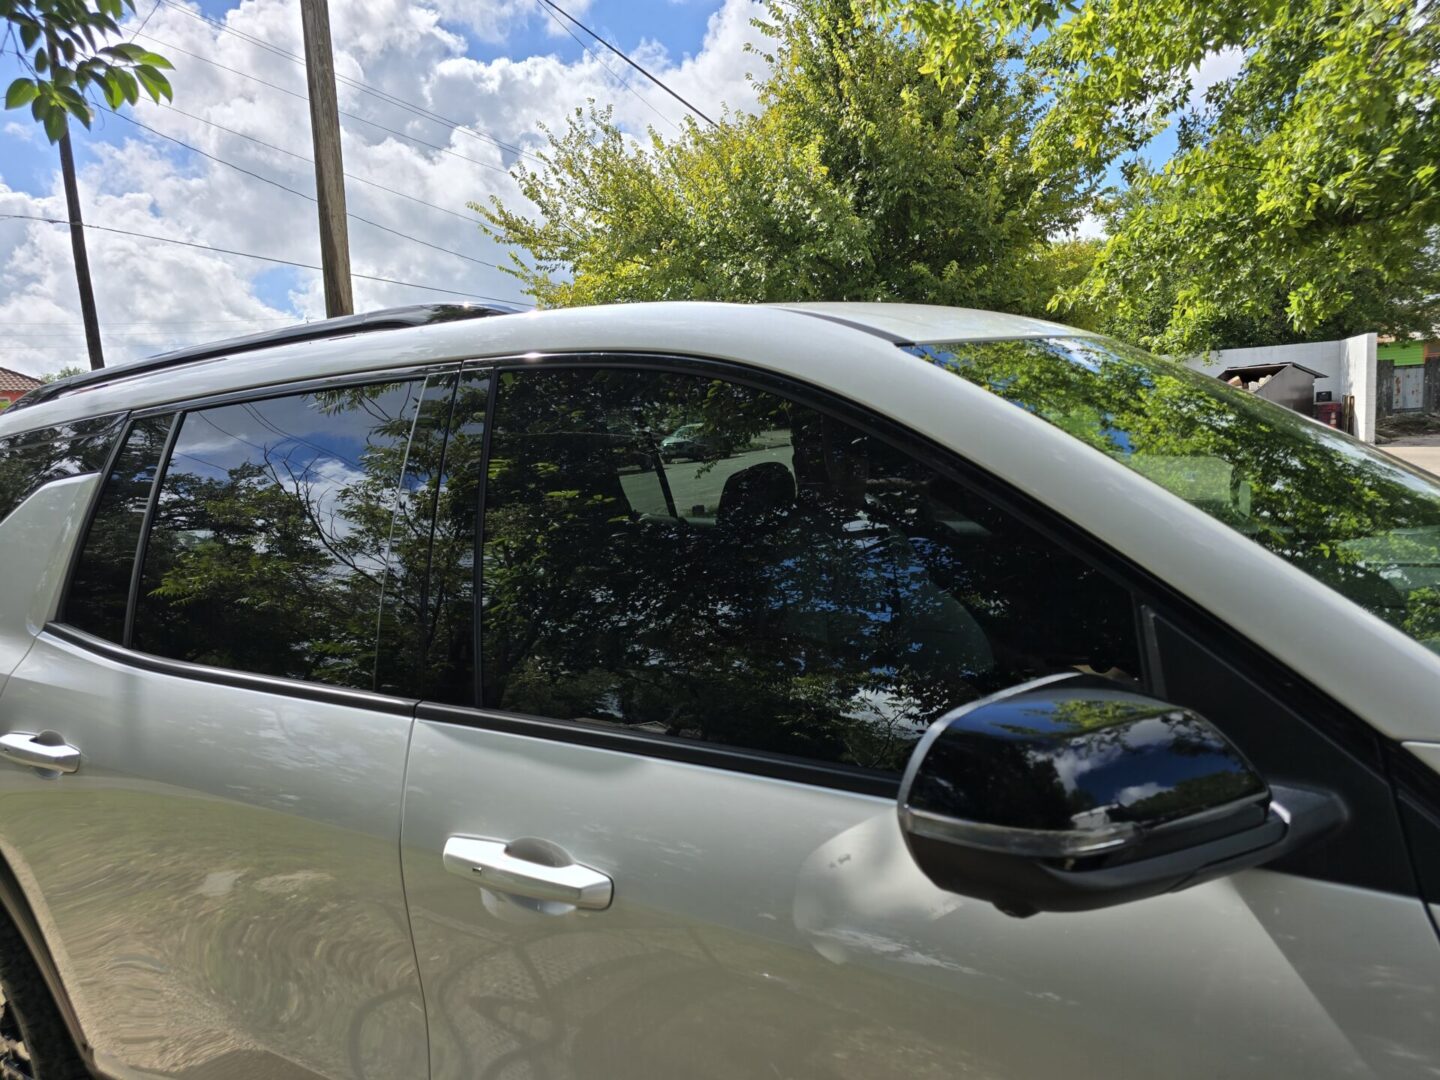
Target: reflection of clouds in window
268	549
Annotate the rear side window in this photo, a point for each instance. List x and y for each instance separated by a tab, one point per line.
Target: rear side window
692	558
99	592
33	459
268	550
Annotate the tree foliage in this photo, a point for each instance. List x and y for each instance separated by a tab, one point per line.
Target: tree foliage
859	178
1304	186
61	44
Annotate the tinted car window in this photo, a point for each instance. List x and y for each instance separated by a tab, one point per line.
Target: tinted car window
449	652
268	548
99	592
414	623
33	459
697	559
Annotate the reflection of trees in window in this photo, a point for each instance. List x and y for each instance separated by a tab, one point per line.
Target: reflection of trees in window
268	551
449	646
839	598
407	620
35	458
99	591
1345	514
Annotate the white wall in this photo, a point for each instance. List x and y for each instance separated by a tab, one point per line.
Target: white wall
1348	367
1359	378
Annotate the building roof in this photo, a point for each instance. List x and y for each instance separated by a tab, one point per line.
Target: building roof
14	380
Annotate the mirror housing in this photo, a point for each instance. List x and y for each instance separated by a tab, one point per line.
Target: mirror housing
1073	792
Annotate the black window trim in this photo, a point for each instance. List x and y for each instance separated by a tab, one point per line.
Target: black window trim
152	503
299	386
243	680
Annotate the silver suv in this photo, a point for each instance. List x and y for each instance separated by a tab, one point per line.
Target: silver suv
974	697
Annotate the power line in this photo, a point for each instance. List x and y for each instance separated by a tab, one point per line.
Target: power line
588	52
364	88
561	11
261	258
303	97
303	195
310	161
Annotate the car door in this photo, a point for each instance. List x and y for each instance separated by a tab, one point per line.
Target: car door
217	880
654	833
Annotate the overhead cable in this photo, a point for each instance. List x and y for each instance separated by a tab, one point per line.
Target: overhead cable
261	258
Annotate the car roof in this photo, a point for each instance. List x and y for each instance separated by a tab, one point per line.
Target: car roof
410	337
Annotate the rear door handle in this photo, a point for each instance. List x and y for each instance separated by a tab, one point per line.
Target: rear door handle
43	751
489	863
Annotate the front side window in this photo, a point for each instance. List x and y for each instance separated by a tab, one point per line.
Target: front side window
692	558
269	547
1350	516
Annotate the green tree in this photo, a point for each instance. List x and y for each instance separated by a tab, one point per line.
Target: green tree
61	45
858	179
63	373
1303	198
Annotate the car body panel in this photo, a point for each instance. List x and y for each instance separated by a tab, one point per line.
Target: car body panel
933	322
37	538
1373	669
218	881
761	927
221	888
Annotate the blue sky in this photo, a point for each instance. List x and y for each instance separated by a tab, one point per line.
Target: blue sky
498	67
678	25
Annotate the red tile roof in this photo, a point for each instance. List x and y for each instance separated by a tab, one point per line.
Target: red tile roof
13	380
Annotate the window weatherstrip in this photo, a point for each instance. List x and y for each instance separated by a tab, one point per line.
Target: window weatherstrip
152	502
301	386
668	748
242	680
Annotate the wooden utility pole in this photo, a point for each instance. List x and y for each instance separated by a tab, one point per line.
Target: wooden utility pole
329	174
82	261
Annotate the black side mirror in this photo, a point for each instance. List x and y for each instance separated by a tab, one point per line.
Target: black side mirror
1072	793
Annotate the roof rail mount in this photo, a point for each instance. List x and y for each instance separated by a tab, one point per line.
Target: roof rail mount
386	319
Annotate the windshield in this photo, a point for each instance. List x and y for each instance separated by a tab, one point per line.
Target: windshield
1354	518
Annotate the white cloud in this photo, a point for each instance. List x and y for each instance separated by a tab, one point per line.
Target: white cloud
155	296
1213	68
1089	227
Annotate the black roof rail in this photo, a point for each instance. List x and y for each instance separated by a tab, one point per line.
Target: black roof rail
386	319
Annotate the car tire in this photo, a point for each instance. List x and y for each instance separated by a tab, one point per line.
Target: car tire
34	1044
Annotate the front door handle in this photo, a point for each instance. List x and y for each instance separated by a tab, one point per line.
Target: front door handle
490	863
44	751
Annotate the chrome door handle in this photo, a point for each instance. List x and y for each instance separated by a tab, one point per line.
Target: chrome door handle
53	753
489	863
